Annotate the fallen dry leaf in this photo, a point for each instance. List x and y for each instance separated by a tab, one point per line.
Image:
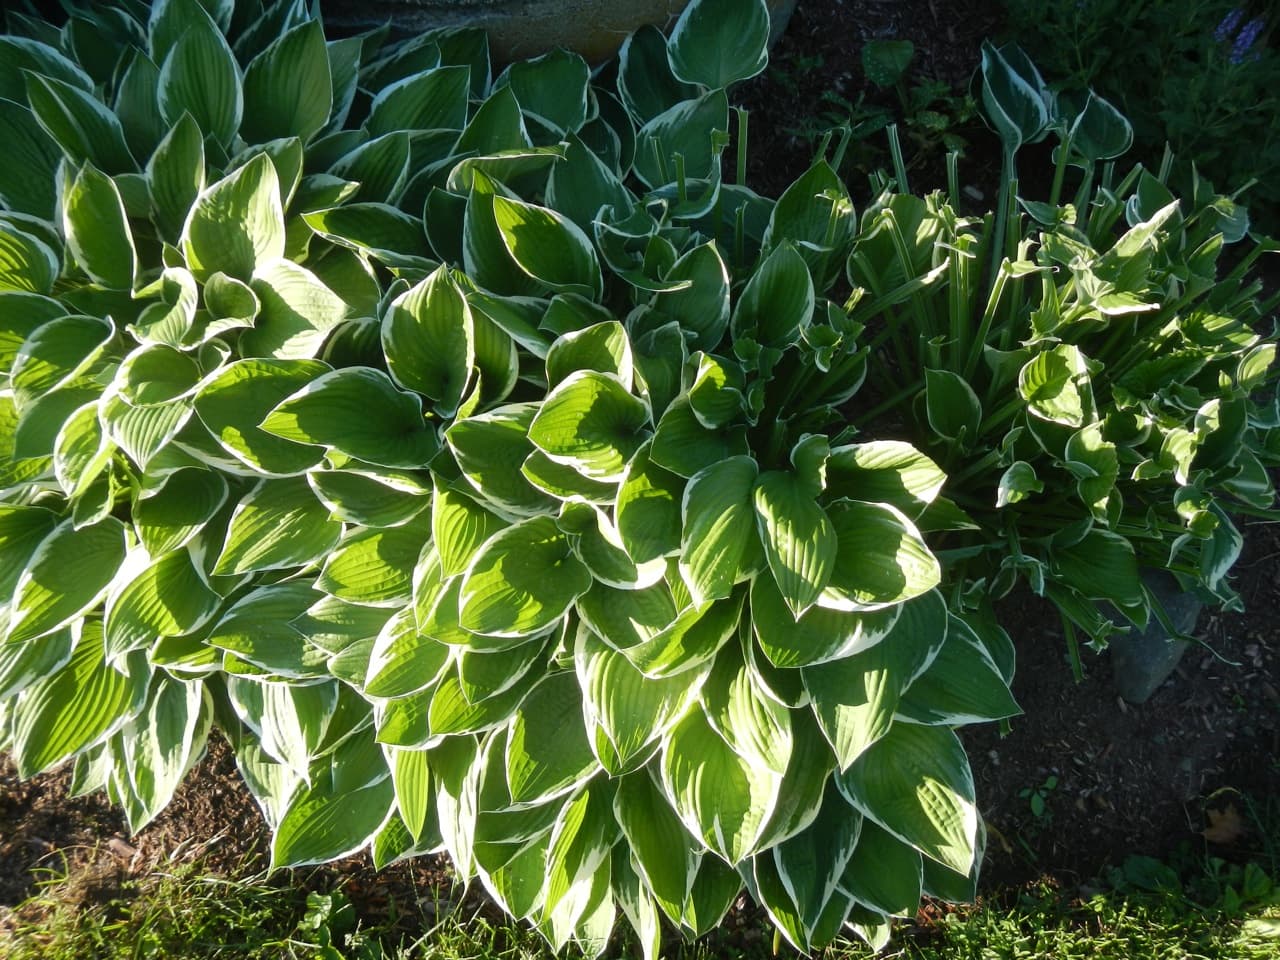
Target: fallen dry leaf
1225	826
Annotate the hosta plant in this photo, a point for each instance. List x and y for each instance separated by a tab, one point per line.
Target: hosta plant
470	453
1097	377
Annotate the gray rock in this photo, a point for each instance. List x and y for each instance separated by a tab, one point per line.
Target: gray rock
520	29
1142	660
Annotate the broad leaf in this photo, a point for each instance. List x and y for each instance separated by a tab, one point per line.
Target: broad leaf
66	576
334	411
916	783
718	42
521	581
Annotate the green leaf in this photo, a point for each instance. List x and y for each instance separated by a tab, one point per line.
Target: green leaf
325	823
645	81
22	530
490	449
371	498
702	307
721	797
75	707
634	711
1014	95
27	263
1018	482
855	698
881	558
799	541
1055	384
288	88
235	401
404	661
818	635
885	471
432	100
56	354
459	527
581	184
717	513
237	224
521	581
778	301
719	42
885	62
27	180
547	751
602	348
953	409
377	230
428	336
577	877
647	510
169	598
687	129
552	88
258	631
334	411
66	576
812	863
684	446
884	873
659	844
138	106
80	124
97	230
1100	131
751	721
381	167
497	125
20	55
374	566
200	76
278	524
297	313
592	424
1102	566
168	516
548	246
916	783
816	214
962	685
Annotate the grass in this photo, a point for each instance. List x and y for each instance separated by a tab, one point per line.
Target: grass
1195	906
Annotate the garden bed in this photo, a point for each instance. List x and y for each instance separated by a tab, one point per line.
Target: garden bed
1078	783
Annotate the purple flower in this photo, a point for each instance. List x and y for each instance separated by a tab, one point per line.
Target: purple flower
1245	39
1227	28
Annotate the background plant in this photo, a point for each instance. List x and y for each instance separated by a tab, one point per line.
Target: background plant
933	117
1097	390
1199	76
466	449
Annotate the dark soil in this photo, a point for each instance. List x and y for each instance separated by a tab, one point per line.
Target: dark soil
1130	779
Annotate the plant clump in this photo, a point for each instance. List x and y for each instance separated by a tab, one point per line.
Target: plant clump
497	476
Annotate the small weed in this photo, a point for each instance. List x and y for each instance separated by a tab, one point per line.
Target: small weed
1037	798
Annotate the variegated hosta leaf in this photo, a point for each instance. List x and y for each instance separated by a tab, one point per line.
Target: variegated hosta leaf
76	706
856	697
521	580
592	424
915	782
332	411
721	796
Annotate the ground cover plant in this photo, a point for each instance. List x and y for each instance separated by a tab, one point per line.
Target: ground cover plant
486	467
